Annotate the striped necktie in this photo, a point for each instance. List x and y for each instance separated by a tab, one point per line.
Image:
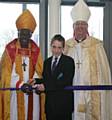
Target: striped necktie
54	64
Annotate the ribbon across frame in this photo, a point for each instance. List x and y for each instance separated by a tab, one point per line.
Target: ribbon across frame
73	88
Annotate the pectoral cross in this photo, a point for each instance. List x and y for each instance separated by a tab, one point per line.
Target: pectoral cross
78	63
24	65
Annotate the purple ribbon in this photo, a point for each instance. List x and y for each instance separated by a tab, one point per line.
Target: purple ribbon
89	87
73	88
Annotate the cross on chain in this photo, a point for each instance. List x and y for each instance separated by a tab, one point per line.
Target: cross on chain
78	63
24	65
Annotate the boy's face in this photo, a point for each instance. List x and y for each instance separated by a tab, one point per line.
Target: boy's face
56	48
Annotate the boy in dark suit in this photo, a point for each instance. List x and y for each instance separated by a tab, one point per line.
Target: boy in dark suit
58	73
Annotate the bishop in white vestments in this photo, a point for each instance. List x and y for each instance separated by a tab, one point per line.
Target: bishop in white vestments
92	68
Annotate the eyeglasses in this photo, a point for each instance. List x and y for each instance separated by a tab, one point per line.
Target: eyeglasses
80	23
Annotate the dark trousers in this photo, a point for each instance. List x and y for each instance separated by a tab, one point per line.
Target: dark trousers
62	116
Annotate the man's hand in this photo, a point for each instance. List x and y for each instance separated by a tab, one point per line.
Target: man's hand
26	88
39	88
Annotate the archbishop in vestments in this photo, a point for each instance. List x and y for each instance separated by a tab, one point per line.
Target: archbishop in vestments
20	63
92	68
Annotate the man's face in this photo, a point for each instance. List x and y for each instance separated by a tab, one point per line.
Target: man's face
80	30
24	36
57	48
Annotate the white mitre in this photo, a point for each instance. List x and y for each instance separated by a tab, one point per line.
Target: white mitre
80	12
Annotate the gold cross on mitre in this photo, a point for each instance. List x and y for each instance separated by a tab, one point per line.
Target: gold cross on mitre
78	63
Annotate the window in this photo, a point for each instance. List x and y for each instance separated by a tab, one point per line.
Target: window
34	8
8	16
95	22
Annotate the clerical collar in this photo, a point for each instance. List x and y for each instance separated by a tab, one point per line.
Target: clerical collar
24	51
79	41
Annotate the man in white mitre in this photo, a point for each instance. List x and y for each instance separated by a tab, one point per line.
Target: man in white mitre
92	68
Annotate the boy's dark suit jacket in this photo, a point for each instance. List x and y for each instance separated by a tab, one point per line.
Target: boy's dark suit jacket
57	99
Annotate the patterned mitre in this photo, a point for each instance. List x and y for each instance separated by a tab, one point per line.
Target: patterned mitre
26	21
80	12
